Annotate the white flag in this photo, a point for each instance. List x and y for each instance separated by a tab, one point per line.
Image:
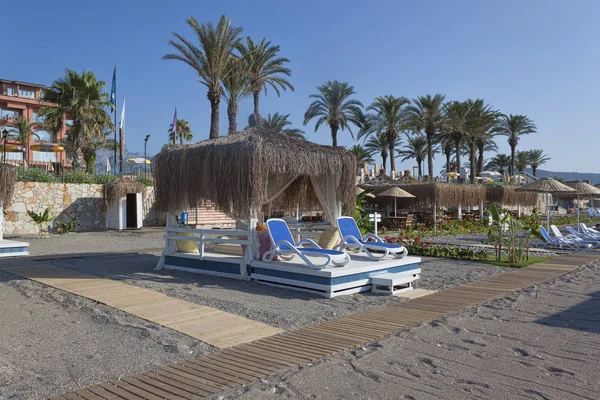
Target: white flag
107	165
122	121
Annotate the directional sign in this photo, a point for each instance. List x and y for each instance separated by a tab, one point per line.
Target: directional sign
373	216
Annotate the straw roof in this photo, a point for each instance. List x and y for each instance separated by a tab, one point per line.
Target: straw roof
8	180
509	196
442	194
233	171
583	190
396	192
119	188
547	185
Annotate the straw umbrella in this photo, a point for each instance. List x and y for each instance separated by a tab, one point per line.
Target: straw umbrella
548	186
396	193
360	190
583	189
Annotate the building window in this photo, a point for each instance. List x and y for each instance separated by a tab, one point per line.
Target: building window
10	91
27	93
8	114
42	136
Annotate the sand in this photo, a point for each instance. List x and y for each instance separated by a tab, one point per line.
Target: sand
53	342
282	308
540	343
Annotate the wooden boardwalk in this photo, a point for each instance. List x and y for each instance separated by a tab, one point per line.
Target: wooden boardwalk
207	324
250	362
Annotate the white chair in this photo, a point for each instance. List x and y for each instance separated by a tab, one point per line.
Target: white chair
284	246
353	240
589	231
595	242
562	242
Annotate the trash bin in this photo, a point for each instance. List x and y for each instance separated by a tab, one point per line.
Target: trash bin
183	219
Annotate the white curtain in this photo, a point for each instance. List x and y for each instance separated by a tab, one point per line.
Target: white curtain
276	184
326	189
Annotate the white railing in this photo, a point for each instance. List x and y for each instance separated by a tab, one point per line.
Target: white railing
204	237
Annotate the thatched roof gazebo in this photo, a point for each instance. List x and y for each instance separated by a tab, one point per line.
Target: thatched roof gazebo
244	171
8	181
509	196
584	190
548	186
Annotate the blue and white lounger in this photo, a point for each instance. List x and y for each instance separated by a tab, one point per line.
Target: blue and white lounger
562	242
353	240
594	241
283	245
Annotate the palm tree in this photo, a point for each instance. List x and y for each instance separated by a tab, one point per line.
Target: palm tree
455	126
482	121
81	99
515	126
334	107
183	133
389	118
22	128
415	148
537	158
210	59
447	147
279	123
427	115
521	161
379	144
499	162
362	155
264	69
485	143
237	87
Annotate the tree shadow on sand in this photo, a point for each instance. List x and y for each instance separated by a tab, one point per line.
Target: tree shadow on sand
584	316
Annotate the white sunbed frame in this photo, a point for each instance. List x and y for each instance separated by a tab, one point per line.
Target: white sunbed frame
352	243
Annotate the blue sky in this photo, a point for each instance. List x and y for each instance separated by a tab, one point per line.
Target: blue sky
535	57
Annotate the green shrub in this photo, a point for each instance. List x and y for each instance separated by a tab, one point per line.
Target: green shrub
33	175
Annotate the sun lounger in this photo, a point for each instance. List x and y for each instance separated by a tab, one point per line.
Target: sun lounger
589	231
562	242
595	242
284	246
353	240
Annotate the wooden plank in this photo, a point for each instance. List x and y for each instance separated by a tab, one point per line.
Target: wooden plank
210	375
172	387
87	395
201	388
196	393
254	364
123	394
144	394
230	367
103	393
261	357
154	390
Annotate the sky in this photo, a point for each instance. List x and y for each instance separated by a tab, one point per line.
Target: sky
537	57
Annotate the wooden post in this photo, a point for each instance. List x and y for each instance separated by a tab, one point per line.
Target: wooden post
459	212
249	256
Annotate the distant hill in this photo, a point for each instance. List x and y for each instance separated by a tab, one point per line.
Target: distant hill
568	176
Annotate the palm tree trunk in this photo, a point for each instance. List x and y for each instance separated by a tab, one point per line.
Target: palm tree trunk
534	170
419	163
384	159
334	130
77	158
214	99
457	151
448	156
511	167
256	96
232	110
472	161
480	158
392	160
430	153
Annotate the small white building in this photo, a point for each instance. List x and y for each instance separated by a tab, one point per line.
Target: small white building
124	204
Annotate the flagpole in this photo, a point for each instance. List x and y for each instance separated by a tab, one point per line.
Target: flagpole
115	150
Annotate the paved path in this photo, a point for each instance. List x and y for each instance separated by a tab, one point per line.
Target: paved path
234	367
207	324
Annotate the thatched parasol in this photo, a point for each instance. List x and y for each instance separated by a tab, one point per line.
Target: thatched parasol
508	195
119	188
396	193
233	171
359	191
583	190
548	186
8	180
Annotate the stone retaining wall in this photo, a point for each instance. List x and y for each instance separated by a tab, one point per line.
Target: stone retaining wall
66	201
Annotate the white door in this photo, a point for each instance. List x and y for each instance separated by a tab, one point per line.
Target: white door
140	210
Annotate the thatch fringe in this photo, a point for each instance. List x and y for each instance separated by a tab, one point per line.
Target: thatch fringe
509	196
119	188
442	194
233	171
8	180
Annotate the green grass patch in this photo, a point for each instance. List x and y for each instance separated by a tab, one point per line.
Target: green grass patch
520	264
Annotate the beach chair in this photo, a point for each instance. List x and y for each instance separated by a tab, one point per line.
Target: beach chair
562	242
589	231
595	242
284	246
353	240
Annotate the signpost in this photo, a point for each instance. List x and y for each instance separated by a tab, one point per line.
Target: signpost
375	217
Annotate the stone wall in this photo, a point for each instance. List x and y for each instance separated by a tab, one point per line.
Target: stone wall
66	201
